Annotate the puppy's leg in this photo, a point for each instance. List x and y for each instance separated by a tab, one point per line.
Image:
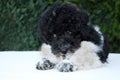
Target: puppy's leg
47	60
44	64
84	58
66	66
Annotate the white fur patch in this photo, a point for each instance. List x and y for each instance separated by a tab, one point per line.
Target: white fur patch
47	53
85	57
101	35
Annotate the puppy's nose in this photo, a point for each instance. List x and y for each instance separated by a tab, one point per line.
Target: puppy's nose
64	51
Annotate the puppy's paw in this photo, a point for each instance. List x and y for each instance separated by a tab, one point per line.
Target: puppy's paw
66	67
44	64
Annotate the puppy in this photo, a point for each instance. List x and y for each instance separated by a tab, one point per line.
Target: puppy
70	42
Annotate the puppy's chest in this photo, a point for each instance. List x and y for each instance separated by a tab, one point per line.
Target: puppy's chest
62	57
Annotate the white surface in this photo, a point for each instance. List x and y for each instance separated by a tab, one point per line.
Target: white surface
21	66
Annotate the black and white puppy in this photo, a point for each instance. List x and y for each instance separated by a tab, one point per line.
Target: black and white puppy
70	42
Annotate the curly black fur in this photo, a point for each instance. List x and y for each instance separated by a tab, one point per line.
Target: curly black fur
64	26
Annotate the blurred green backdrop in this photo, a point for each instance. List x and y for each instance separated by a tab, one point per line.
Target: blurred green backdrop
18	21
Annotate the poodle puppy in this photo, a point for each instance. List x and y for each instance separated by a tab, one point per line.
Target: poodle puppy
70	42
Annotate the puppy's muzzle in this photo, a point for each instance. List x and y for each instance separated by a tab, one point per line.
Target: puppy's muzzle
64	49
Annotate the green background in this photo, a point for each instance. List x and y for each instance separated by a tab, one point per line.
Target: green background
18	21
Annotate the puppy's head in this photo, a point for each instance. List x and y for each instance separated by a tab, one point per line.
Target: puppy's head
61	26
62	43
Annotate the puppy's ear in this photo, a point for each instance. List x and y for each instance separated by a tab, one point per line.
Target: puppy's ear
84	17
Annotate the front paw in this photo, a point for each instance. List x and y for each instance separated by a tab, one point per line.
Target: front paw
66	67
44	64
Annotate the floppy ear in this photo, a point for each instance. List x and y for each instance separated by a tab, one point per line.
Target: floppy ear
84	17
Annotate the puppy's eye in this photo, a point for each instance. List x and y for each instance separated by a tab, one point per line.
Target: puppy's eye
54	35
69	32
54	13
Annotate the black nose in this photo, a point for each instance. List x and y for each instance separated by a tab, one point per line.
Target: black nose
64	49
